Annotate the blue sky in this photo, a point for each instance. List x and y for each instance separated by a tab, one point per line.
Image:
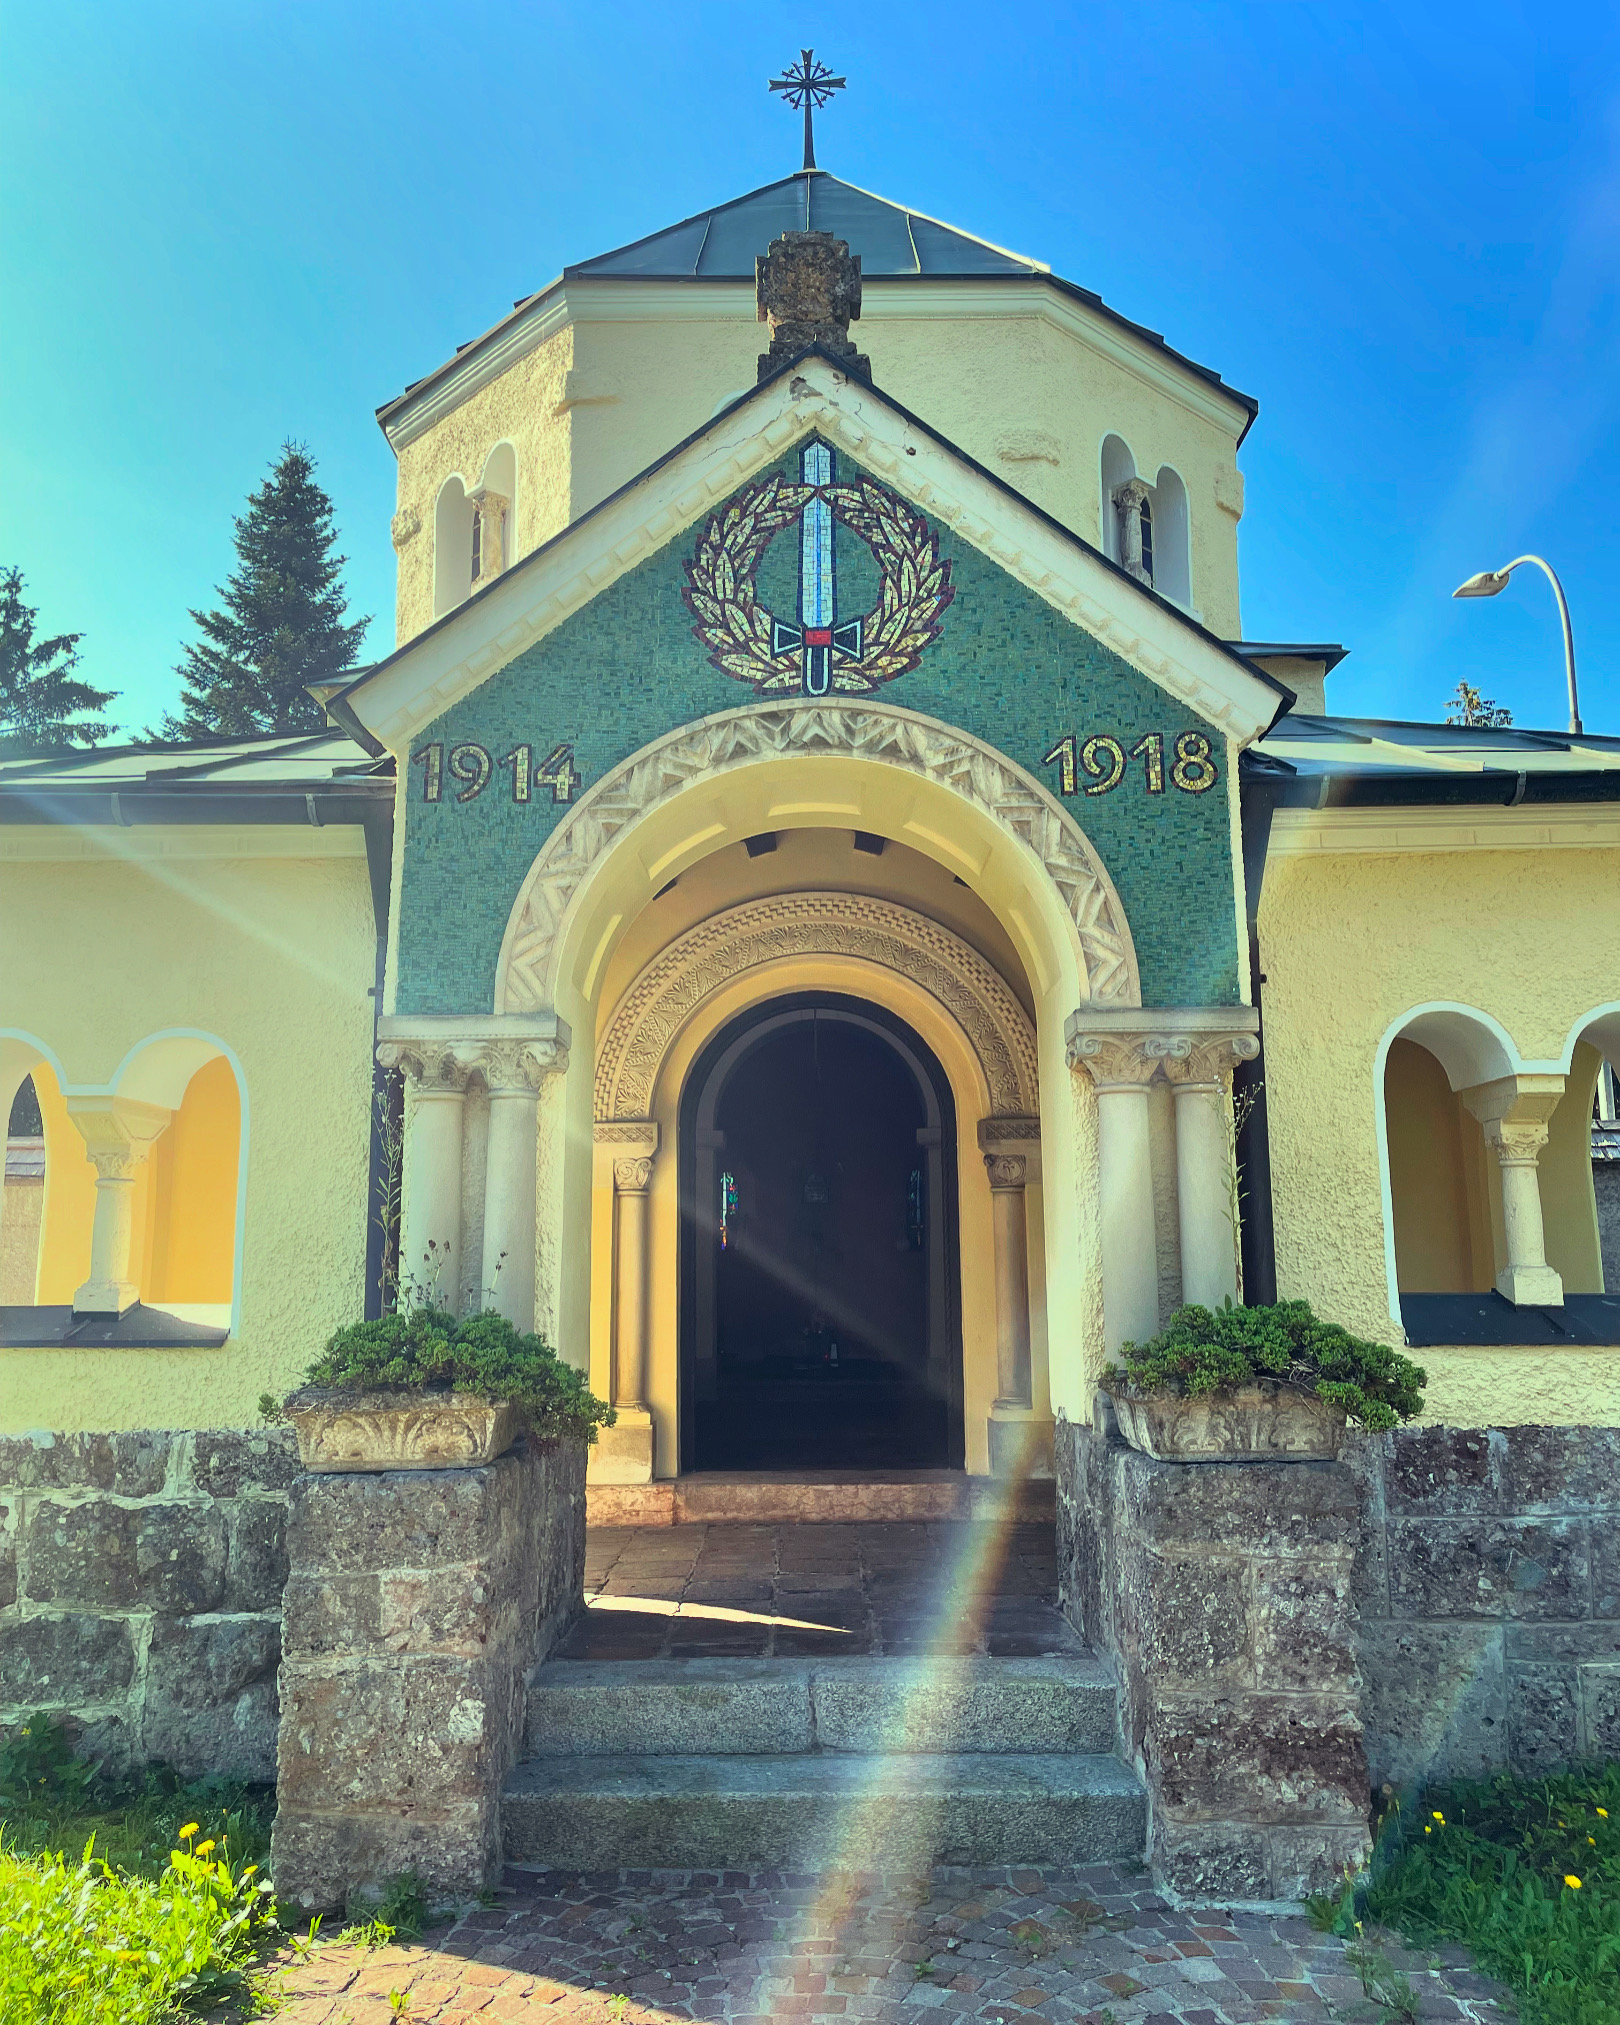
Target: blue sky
1399	228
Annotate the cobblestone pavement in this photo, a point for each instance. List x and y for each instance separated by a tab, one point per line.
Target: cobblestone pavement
639	1947
808	1591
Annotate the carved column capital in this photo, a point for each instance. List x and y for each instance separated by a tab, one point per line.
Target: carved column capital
631	1176
513	1066
1114	1061
118	1132
1006	1170
431	1068
1129	496
1202	1061
1516	1142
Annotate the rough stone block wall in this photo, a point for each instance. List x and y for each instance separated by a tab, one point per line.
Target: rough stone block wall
1224	1593
1489	1599
417	1604
140	1592
1606	1188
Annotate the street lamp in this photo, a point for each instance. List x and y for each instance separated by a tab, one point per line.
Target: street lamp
1486	585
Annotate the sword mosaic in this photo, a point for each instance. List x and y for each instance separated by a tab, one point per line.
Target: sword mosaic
818	651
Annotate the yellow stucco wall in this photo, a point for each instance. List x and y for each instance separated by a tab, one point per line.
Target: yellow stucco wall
1351	943
264	941
610	393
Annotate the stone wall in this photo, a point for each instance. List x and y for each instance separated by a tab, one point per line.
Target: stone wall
140	1592
1489	1593
418	1601
1606	1189
1224	1594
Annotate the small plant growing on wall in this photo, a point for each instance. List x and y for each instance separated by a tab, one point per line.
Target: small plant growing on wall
1205	1351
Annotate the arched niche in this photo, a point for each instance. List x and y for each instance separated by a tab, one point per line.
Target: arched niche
1172	548
1118	465
453	523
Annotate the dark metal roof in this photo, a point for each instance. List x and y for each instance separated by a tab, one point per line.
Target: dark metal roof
894	243
1323	761
722	244
311	777
1330	655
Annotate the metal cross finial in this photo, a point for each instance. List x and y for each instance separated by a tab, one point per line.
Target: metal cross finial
808	84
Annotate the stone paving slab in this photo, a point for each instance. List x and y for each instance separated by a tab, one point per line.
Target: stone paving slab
818	1590
1006	1946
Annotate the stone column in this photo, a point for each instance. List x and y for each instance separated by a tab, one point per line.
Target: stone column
1006	1172
1514	1111
514	1071
491	510
118	1133
1122	1069
430	1188
1199	1068
1128	502
624	1452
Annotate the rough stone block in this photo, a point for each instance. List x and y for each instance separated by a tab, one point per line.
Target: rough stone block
1444	1472
1187	1620
332	1616
211	1697
1489	1568
356	1523
1211	1860
1303	1860
256	1555
1535	1643
1543	1718
1304	1624
225	1462
180	1558
320	1858
1434	1700
1367	1457
72	1661
133	1464
1560	1469
1272	1509
1606	1566
1263	1758
9	1512
1599	1698
396	1737
83	1553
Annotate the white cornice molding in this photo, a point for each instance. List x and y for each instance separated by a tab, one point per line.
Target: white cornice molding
1373	832
893	299
533	598
95	843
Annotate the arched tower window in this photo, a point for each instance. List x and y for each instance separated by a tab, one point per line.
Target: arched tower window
1118	467
22	1198
1171	566
454	526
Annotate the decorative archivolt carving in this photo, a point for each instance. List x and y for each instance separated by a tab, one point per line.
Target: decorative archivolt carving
672	987
525	979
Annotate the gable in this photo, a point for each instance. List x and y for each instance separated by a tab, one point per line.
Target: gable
911	613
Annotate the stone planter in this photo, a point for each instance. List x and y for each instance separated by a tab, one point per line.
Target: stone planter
1262	1422
400	1430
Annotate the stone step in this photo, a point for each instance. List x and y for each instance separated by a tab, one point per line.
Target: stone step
777	1707
816	1810
766	1497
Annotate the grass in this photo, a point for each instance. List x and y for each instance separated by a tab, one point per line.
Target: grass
1523	1872
124	1900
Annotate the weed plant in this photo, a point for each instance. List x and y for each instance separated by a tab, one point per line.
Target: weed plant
1523	1872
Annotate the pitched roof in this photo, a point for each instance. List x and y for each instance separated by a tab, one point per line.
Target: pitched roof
721	244
894	242
1318	761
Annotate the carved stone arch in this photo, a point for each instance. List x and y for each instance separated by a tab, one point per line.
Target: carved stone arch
680	978
525	977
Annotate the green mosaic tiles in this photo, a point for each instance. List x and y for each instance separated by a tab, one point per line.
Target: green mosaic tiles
1004	666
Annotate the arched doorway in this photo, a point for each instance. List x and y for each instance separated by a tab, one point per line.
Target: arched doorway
819	1257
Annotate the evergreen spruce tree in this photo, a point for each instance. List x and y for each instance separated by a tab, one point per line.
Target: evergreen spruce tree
42	700
281	620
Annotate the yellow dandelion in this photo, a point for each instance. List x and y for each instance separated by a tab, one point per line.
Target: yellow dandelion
189	1829
1574	1883
204	1847
1427	1829
1593	1840
1604	1812
1439	1817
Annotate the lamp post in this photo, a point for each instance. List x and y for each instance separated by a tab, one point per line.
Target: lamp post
1486	585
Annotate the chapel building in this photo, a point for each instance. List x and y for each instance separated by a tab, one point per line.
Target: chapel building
825	914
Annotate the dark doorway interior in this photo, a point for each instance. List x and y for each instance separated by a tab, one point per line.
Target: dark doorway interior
820	1245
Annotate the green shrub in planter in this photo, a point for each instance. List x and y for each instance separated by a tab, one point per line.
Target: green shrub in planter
422	1348
1205	1350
